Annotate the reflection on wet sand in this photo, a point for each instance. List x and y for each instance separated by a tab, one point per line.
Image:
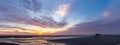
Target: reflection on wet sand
28	41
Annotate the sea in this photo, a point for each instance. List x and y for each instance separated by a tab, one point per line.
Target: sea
32	40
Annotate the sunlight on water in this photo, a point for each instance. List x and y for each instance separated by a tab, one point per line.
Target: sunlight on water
24	41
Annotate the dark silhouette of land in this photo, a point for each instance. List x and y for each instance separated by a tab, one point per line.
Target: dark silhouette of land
4	43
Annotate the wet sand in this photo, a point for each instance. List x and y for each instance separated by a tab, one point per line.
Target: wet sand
89	40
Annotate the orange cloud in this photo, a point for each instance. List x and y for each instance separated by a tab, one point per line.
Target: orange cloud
32	31
23	29
41	31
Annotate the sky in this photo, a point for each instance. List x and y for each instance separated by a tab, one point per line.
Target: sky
59	17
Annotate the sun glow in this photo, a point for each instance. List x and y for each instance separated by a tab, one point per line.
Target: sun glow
34	31
22	29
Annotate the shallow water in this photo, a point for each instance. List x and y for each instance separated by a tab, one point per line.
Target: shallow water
30	41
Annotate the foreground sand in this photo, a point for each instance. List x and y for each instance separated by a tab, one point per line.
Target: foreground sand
89	40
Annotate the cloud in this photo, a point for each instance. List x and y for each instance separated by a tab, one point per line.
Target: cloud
27	16
93	28
28	28
112	12
32	5
63	9
29	13
108	25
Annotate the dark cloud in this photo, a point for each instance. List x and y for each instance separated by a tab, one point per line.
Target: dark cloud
94	27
